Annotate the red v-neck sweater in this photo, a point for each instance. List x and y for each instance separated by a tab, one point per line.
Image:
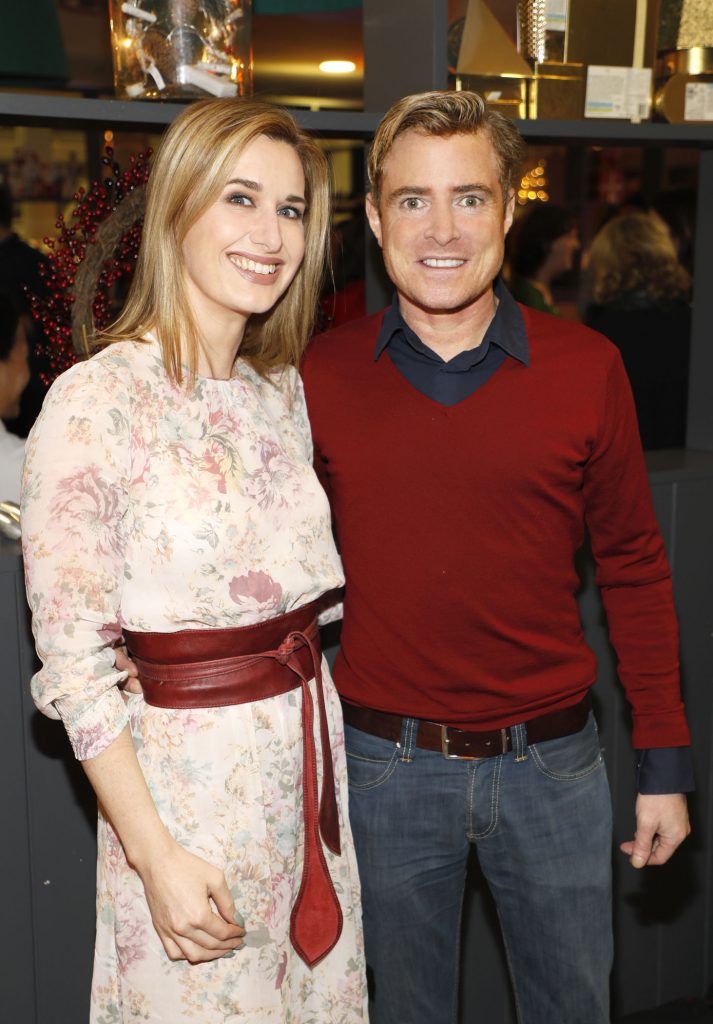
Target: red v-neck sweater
458	528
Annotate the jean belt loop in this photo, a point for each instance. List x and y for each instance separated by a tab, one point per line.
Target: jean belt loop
409	733
519	741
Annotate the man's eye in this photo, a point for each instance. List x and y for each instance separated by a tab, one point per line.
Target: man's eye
413	203
471	201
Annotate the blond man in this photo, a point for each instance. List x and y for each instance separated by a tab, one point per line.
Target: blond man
464	442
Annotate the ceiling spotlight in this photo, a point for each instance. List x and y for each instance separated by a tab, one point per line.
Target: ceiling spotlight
337	67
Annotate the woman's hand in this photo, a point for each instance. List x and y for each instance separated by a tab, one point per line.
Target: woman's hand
179	887
124	663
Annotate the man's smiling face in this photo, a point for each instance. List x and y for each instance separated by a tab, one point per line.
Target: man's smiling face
441	220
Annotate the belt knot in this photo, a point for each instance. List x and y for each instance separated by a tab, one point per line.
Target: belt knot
288	647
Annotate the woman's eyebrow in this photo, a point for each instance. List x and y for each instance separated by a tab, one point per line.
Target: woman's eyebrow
255	186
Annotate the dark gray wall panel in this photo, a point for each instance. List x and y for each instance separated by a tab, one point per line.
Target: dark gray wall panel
17	975
53	838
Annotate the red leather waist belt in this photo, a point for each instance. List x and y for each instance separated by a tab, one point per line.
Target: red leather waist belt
207	668
461	743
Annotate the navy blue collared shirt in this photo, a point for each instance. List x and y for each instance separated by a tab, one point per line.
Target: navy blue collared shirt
659	770
450	382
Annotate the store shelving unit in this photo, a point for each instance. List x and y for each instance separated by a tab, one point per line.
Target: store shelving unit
69	111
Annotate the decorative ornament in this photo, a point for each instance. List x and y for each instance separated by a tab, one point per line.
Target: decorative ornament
87	259
178	49
534	185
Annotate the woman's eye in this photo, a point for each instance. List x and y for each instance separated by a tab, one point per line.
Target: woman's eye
239	199
291	212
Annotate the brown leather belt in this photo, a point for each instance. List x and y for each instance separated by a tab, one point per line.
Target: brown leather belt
461	743
208	668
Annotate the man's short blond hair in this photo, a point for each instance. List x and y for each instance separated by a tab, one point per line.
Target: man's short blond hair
444	114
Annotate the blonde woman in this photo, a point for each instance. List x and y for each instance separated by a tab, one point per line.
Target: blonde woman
169	495
641	303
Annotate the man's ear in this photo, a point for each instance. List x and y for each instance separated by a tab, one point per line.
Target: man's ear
372	215
509	210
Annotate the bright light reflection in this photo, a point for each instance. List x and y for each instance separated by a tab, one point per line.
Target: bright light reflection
337	67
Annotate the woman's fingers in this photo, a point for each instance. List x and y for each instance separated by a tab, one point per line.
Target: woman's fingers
124	664
179	889
209	942
173	950
197	954
220	894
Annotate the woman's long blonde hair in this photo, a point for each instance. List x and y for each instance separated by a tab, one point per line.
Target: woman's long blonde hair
191	169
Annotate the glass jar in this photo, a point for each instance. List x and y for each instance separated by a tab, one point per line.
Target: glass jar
181	49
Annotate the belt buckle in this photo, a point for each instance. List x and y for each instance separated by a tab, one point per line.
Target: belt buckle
453	757
468	757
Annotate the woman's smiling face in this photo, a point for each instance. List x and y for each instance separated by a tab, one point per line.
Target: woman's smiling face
241	254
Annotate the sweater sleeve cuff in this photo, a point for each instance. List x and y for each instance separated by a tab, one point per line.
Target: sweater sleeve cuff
662	770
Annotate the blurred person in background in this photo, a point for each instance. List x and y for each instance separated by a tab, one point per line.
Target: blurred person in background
677	209
542	246
640	302
19	275
14	375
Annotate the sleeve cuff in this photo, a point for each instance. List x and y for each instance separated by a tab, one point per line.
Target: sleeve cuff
93	724
661	770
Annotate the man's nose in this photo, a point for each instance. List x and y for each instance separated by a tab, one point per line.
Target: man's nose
442	226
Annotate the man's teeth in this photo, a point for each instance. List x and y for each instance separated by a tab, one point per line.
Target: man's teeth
257	268
444	263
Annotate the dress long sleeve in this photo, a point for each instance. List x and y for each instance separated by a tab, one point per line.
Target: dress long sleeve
75	498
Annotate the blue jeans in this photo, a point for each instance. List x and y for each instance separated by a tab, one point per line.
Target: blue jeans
540	820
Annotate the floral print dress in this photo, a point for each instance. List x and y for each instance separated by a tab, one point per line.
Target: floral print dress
154	507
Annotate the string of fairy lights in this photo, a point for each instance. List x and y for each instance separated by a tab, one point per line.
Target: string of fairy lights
533	185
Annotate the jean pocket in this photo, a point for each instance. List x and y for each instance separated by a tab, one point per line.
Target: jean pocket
569	757
370	759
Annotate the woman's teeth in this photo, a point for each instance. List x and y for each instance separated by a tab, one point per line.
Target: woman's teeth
257	268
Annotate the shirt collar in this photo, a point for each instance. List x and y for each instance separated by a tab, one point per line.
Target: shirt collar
506	330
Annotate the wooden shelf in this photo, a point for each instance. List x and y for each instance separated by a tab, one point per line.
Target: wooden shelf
65	111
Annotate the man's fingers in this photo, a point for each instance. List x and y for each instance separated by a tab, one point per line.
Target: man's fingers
661	826
663	851
642	846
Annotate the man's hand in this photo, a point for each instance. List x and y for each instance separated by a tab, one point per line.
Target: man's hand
661	826
125	664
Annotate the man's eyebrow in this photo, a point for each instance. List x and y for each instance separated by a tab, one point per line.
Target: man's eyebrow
418	190
255	186
474	187
408	190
